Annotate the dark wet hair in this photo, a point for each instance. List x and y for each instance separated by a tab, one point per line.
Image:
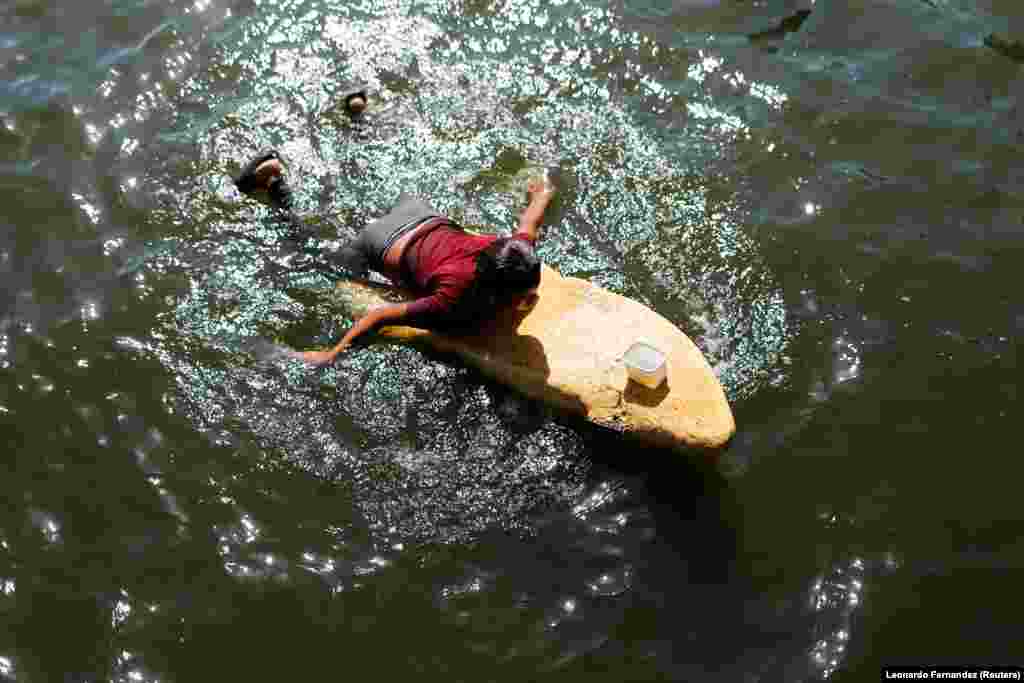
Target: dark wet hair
508	268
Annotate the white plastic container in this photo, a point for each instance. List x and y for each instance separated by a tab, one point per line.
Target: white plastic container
646	364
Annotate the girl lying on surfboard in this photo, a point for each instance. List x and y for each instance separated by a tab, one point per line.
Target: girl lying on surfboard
464	278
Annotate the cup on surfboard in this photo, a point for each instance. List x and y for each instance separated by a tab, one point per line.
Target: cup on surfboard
646	364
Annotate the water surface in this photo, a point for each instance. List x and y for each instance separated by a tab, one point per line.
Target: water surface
827	196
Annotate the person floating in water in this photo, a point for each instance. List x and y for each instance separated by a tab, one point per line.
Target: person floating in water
464	279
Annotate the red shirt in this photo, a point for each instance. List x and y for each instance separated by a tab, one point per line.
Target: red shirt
443	263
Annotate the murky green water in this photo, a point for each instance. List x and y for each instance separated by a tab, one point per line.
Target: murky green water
827	196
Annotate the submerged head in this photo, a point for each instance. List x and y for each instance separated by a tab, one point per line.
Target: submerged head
356	103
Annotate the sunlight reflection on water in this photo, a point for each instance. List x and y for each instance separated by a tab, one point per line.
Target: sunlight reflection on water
836	597
463	107
700	169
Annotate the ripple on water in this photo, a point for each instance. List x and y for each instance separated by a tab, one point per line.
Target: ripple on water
612	584
418	450
461	122
47	525
345	473
835	597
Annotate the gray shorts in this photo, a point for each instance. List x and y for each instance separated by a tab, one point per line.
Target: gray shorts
366	252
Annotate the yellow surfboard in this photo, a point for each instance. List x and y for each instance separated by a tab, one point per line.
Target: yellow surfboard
567	350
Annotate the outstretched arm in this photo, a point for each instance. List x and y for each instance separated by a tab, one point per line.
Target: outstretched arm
385	314
540	192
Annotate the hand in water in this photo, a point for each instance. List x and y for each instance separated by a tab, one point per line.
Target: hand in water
317	359
540	185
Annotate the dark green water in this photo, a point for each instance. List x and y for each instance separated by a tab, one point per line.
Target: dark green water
829	197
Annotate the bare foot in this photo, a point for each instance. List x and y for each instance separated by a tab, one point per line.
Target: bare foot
267	171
